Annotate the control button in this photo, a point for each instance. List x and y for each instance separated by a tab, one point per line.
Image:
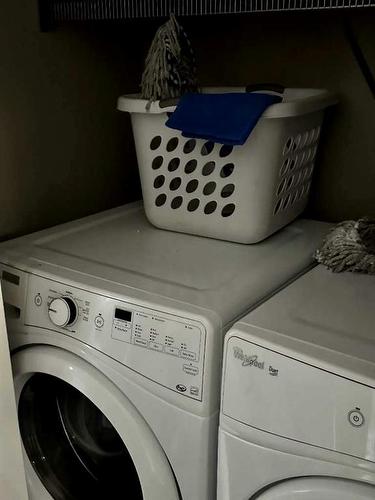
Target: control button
181	387
63	311
188	355
172	350
122	324
191	370
38	300
356	418
119	329
141	342
155	346
194	391
99	322
123	335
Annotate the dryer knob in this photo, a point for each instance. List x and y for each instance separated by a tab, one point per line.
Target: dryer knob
62	311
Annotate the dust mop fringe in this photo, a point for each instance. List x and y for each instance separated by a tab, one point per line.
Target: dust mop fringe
350	246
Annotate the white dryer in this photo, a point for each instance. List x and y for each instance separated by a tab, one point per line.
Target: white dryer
116	331
298	397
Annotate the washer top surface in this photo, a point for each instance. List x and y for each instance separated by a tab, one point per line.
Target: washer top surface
122	247
328	316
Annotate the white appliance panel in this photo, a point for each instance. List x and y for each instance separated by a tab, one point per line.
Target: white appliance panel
167	349
319	488
281	395
12	474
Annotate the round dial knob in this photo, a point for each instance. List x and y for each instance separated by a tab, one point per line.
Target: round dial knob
62	311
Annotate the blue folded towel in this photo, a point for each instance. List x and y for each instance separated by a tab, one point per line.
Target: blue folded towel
223	118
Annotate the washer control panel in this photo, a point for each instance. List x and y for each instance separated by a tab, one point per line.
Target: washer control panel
163	347
156	332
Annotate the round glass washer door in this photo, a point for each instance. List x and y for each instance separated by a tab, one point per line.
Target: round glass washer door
82	438
318	488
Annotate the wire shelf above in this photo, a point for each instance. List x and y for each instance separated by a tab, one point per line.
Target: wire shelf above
57	11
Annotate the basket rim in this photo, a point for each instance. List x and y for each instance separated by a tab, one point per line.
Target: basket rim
296	101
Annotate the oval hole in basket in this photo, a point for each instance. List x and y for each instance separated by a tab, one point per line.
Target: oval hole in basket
155	142
228	210
297	142
175	183
159	181
209	188
281	187
207	148
172	144
157	162
290	181
277	207
210	207
225	151
288	145
173	164
294	197
176	202
190	166
189	146
286	202
305	138
285	166
160	200
227	190
307	188
227	170
208	168
193	204
192	186
311	136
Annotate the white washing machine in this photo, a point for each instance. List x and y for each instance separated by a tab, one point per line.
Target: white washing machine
12	475
297	418
116	331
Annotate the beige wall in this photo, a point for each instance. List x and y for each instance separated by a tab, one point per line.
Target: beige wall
64	149
305	50
66	152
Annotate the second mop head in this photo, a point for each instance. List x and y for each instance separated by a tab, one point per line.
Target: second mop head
350	246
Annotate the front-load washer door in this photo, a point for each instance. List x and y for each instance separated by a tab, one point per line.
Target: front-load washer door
318	488
82	438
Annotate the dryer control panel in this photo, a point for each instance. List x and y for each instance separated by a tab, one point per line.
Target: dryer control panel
166	348
298	400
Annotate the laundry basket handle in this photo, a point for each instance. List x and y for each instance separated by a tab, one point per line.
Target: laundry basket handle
272	87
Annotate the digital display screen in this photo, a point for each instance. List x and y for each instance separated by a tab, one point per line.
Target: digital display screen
122	314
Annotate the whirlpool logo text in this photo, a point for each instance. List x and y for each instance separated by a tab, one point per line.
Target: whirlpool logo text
247	359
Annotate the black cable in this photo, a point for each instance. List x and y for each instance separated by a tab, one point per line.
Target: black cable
360	58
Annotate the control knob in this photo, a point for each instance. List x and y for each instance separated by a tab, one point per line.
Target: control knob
62	311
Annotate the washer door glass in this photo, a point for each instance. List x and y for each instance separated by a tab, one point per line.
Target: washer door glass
318	488
74	449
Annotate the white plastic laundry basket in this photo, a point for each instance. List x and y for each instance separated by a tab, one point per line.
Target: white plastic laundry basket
241	193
